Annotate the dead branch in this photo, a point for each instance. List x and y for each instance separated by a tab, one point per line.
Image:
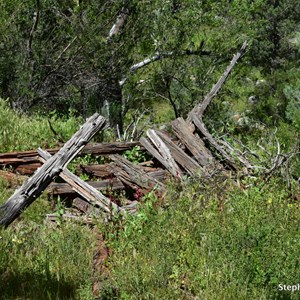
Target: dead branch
199	109
119	24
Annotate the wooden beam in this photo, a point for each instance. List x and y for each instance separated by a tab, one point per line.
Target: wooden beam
207	136
186	162
164	156
199	109
192	142
35	185
105	185
133	175
89	193
31	157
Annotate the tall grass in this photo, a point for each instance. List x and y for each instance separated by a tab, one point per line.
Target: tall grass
209	244
210	240
37	260
42	261
20	132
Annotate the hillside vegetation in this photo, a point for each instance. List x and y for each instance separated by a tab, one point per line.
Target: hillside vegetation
208	240
141	64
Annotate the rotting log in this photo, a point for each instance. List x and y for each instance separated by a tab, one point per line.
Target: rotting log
90	194
35	185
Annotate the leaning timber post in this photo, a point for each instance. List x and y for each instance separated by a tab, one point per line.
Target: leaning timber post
35	185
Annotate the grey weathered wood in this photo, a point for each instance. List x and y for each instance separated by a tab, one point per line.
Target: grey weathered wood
113	184
83	220
234	153
27	158
102	171
199	109
166	157
133	175
187	163
36	184
206	135
90	194
192	142
82	205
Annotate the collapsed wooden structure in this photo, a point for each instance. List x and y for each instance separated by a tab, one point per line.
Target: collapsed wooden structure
187	149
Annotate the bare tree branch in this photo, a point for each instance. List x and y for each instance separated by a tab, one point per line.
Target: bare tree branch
159	56
36	18
200	108
118	25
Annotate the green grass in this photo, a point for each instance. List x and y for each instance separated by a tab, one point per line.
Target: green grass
42	261
20	132
208	240
199	248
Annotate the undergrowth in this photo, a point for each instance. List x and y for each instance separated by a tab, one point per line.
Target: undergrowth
20	132
213	241
206	240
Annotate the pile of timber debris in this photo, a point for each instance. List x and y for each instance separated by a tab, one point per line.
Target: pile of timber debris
189	149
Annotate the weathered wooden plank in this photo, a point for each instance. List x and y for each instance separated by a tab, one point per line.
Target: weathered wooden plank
105	185
165	155
192	142
109	148
199	124
26	169
83	220
113	184
90	194
187	163
102	171
133	175
30	157
82	205
36	184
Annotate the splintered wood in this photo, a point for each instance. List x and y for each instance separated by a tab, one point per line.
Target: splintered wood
36	184
187	149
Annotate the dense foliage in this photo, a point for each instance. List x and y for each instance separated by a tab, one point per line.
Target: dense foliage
60	55
61	61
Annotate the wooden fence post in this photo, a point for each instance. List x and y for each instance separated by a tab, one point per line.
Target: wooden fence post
35	185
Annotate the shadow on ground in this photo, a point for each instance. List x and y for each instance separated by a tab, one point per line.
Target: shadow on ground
34	286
